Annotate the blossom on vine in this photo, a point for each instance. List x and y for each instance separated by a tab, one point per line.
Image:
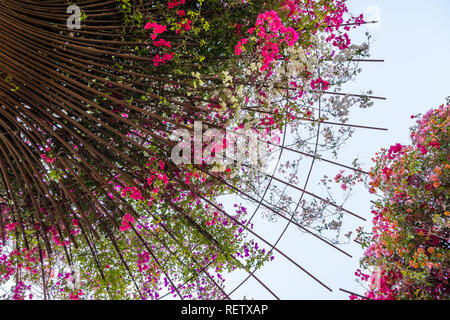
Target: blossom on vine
157	60
126	221
319	84
409	241
271	33
162	43
174	3
157	29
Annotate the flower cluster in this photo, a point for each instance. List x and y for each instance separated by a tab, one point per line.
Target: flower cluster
106	200
407	250
270	33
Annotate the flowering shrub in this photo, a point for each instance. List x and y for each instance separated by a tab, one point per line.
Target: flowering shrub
407	251
91	207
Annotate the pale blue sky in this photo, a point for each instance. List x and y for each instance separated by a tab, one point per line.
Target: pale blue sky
413	38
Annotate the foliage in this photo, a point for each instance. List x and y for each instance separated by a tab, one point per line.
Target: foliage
91	207
407	251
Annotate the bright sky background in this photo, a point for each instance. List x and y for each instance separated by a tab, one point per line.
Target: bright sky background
413	37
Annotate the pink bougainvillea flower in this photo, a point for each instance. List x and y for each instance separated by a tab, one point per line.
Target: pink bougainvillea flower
126	221
157	29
